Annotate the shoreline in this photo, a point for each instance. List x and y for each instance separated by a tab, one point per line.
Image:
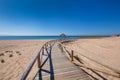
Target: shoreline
23	51
29	40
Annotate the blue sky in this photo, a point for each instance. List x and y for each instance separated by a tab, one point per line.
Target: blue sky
52	17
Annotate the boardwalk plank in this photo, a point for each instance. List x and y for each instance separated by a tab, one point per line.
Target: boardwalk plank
61	68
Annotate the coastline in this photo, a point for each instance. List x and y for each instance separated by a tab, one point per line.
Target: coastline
36	37
106	48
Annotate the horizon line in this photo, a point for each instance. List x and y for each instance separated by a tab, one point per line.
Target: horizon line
65	34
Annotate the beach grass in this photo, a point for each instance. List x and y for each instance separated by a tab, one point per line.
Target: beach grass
2	60
1	54
10	55
18	52
8	51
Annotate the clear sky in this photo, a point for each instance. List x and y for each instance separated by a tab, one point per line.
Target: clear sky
52	17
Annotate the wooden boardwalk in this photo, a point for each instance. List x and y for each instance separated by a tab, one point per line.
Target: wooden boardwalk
56	66
53	64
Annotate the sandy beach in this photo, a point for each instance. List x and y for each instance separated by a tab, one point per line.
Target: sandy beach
15	56
106	49
23	51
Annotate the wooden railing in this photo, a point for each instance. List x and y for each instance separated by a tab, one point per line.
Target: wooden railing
37	58
78	60
71	55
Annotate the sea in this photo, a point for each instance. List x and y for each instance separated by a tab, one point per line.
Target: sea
36	37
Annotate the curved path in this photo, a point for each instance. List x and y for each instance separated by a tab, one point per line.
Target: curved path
56	66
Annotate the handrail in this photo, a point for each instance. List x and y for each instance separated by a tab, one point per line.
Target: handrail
37	56
26	72
71	57
117	72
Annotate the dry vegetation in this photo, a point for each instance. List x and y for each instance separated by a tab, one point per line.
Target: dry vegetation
15	55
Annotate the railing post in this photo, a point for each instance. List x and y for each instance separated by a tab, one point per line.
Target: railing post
45	46
39	62
43	50
61	47
72	54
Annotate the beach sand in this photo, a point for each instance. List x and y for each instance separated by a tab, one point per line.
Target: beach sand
106	49
22	52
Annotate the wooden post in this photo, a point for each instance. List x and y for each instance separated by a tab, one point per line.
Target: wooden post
39	63
50	44
72	54
45	46
43	50
62	49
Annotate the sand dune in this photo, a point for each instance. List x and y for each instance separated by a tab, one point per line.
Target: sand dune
106	49
14	66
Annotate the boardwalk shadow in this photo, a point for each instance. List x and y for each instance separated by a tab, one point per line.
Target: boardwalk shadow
94	78
49	59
